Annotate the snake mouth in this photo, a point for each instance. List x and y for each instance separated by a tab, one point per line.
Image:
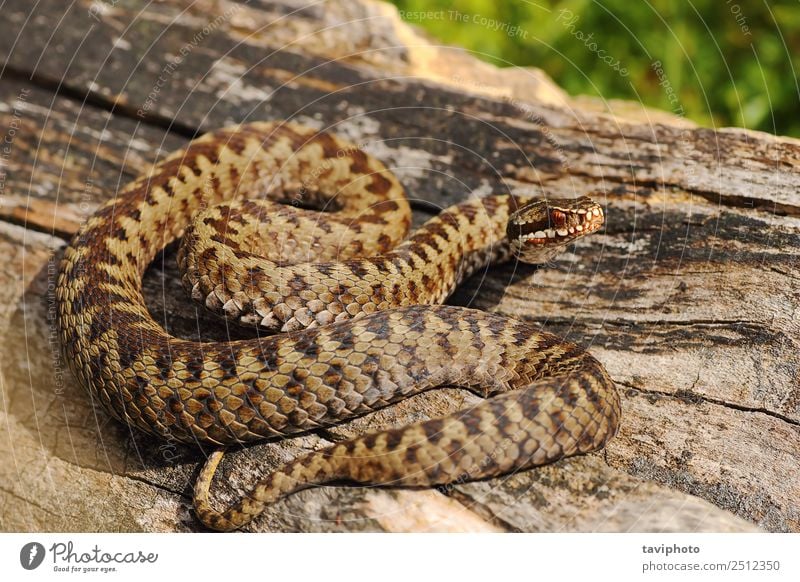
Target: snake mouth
555	222
582	223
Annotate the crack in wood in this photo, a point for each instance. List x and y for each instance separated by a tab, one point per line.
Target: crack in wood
27	501
98	100
695	398
480	509
732	200
155	485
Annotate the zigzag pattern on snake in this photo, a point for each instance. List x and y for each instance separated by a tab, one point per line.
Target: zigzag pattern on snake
360	333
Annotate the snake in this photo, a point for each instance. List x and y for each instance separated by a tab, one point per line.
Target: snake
303	236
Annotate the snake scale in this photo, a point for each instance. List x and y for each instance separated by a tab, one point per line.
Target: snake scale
352	310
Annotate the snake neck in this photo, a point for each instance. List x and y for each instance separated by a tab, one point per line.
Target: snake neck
425	269
452	246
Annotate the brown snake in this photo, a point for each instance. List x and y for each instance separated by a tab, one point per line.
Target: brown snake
357	336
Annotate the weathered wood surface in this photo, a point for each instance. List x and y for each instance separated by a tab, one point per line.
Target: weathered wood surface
690	296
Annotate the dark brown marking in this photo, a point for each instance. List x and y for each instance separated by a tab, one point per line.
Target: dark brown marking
379	185
433	429
268	358
393	438
369	440
384	243
194	366
229	368
359	161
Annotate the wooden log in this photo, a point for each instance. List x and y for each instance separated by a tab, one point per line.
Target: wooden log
689	297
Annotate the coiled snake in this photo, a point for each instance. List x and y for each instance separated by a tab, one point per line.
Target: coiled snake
358	335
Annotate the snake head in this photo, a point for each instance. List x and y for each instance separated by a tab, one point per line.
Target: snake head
542	229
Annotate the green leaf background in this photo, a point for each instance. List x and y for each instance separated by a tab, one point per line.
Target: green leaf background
728	62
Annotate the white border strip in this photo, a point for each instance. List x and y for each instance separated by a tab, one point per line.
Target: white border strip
378	557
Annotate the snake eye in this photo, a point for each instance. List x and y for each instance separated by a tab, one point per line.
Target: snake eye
558	218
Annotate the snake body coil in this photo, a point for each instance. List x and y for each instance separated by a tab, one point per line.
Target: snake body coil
356	339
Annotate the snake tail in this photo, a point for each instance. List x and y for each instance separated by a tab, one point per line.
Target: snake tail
525	422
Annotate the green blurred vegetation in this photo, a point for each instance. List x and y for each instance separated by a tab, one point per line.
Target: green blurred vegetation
723	62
